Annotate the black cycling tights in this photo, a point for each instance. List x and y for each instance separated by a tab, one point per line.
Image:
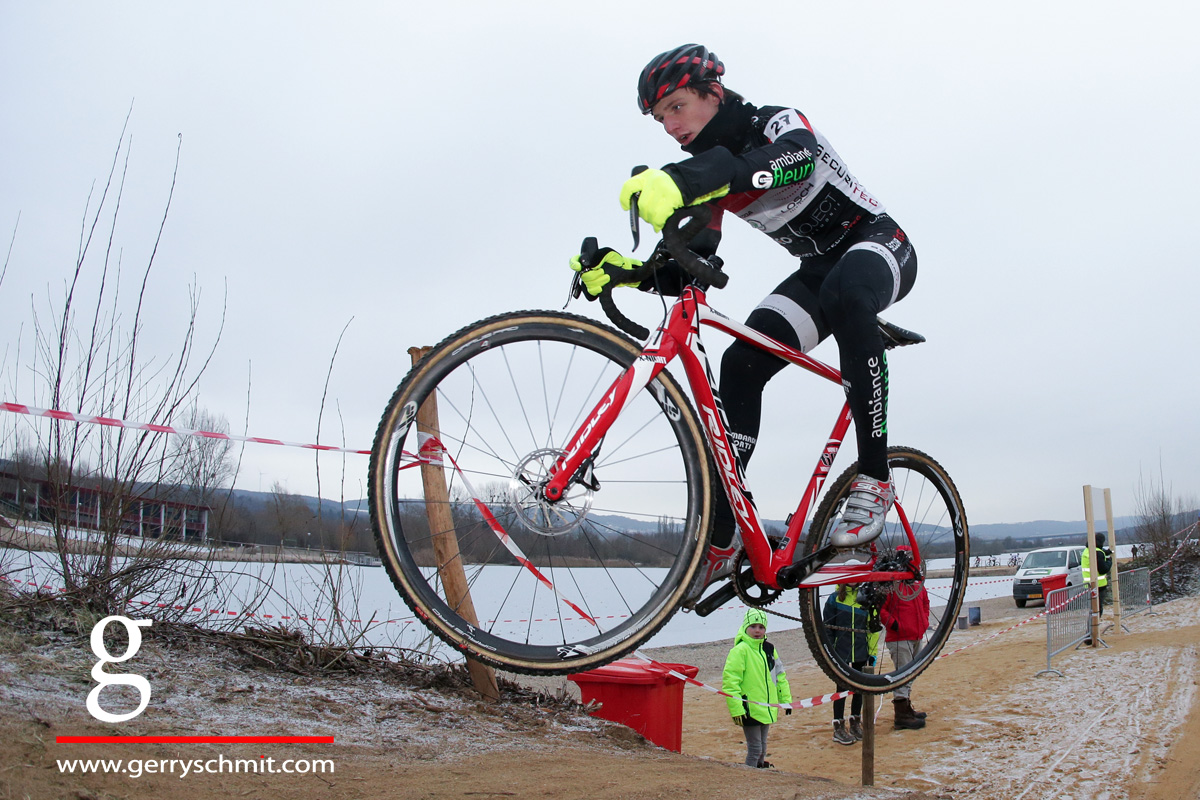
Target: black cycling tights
841	296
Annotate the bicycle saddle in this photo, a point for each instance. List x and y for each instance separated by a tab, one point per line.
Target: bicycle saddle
895	336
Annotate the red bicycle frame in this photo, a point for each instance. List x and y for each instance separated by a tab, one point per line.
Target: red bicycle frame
679	337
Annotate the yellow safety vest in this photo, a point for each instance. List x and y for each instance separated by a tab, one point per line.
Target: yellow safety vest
1086	563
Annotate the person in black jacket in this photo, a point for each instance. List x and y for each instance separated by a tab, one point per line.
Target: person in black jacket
769	166
855	632
1104	565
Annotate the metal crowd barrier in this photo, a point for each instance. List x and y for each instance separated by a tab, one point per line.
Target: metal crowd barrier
1135	591
1068	621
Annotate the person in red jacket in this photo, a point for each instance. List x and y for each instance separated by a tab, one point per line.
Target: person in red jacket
905	622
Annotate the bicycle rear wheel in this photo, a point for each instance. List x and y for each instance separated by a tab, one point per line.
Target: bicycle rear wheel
929	501
555	587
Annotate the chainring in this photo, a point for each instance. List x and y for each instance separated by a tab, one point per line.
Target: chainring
749	590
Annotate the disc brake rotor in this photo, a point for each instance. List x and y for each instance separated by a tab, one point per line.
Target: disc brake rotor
527	498
900	561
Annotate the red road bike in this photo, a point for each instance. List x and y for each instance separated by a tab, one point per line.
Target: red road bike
577	479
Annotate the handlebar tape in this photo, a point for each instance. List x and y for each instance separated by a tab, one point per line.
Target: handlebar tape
676	240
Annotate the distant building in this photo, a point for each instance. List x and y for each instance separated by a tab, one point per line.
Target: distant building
79	506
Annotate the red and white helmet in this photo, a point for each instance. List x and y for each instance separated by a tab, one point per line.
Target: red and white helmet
686	65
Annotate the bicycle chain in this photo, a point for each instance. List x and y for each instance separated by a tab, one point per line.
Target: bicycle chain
781	614
898	562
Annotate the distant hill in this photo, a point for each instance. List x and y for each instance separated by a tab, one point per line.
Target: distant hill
1020	532
256	500
1042	528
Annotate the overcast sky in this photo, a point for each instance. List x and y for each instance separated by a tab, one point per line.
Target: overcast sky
401	169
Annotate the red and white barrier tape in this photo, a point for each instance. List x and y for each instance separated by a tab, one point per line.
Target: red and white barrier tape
111	422
1182	542
810	702
432	451
222	612
1045	611
1008	579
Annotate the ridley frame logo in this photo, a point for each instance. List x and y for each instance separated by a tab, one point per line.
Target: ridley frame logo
727	465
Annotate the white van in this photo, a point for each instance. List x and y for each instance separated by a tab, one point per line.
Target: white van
1038	564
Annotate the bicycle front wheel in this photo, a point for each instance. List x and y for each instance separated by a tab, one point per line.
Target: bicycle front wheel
467	535
928	504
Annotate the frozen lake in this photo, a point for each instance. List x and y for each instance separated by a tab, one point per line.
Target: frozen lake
302	595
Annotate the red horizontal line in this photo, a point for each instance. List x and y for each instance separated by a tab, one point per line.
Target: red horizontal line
194	739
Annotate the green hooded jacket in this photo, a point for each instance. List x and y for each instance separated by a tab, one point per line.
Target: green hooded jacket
754	674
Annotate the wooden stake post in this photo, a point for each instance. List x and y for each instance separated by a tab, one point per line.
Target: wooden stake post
868	743
445	539
1093	572
1115	575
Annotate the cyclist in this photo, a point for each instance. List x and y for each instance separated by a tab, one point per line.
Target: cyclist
769	166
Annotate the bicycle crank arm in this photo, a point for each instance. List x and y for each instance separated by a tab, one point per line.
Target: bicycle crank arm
792	576
721	596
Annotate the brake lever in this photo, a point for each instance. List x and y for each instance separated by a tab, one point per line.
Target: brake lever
587	258
576	289
635	221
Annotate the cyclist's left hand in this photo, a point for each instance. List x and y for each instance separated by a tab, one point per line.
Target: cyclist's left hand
659	196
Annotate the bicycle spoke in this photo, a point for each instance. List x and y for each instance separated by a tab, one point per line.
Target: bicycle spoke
556	585
933	511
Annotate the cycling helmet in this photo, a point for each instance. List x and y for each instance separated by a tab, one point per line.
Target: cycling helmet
685	65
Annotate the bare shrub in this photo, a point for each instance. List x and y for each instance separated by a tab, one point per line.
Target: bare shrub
92	352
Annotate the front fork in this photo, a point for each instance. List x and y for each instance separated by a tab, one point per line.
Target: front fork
580	451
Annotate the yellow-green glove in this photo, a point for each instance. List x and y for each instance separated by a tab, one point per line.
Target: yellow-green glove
607	269
659	197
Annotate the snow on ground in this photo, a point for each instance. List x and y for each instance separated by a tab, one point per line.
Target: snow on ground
1109	720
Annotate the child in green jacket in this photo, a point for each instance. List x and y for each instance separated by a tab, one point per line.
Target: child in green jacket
753	675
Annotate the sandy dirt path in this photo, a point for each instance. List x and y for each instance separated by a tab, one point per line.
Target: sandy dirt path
1105	728
1123	722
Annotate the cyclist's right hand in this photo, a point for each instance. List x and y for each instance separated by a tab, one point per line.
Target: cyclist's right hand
602	267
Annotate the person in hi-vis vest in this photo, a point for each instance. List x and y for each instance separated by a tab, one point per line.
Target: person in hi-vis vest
1104	560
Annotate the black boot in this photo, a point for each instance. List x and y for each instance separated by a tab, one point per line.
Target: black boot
905	718
917	714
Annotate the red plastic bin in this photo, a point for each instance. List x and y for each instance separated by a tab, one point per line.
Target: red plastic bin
1052	582
643	696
